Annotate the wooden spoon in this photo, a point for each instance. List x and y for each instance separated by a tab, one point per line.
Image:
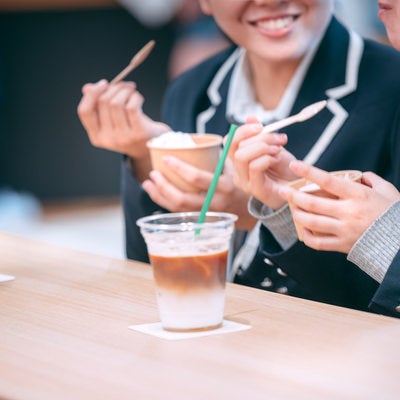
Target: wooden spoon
137	59
303	115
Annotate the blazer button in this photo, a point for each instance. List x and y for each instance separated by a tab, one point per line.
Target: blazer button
268	262
266	283
280	272
397	309
282	290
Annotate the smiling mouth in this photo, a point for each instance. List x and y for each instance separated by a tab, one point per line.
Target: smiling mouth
383	6
276	23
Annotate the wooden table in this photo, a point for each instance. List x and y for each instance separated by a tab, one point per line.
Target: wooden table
64	335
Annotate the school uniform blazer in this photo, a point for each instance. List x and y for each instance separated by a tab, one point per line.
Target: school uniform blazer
386	299
358	130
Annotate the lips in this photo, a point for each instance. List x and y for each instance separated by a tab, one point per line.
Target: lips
384	10
384	6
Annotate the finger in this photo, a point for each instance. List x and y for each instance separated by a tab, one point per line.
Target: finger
87	88
260	165
241	160
87	108
151	189
372	180
339	187
277	139
257	177
309	202
134	108
321	242
119	117
252	119
380	186
170	197
196	177
152	185
249	154
105	106
242	133
317	223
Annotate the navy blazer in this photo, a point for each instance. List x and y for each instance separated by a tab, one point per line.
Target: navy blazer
386	299
358	130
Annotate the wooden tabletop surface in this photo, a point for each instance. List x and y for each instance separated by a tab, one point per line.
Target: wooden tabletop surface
64	335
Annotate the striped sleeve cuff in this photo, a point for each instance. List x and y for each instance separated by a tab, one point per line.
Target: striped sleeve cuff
375	249
279	223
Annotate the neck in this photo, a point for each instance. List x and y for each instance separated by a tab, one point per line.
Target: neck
271	80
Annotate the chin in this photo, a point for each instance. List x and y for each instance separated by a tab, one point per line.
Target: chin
395	40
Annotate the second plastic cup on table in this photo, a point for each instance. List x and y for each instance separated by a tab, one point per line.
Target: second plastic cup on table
189	261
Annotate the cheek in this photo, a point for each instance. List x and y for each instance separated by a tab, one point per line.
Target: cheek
393	29
321	5
302	42
394	38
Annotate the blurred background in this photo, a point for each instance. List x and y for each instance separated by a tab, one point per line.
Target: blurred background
54	185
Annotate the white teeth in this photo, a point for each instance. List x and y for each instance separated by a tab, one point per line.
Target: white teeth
274	24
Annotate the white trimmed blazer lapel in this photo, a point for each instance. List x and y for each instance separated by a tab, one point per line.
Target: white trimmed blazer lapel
356	48
355	52
213	92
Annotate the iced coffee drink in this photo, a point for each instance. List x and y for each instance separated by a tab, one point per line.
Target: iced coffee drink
189	262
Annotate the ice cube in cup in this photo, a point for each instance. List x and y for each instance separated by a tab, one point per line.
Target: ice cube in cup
200	150
189	262
312	188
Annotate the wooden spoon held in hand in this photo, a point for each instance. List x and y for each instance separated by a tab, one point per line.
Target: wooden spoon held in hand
137	59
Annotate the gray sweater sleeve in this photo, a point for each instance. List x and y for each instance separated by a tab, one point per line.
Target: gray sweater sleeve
375	249
279	223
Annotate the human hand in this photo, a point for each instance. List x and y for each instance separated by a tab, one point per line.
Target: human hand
114	120
336	224
227	197
261	164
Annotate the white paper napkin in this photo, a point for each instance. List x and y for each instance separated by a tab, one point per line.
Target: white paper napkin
156	329
6	278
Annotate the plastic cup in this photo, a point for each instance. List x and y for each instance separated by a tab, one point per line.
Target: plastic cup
204	155
189	261
312	188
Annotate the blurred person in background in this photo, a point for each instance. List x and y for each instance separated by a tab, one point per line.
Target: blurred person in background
197	36
361	15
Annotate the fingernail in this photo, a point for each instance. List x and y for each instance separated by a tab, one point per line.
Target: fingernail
152	174
295	165
167	160
254	128
102	83
145	185
275	148
283	191
282	136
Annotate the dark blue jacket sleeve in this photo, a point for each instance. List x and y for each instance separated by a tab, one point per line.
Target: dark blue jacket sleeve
136	204
387	298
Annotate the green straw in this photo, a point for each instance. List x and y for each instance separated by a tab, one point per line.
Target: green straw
217	173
